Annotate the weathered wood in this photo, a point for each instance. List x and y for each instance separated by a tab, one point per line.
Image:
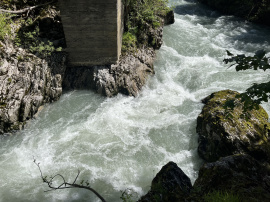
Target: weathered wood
93	31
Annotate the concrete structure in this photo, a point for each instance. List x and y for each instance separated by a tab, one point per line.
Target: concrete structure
93	30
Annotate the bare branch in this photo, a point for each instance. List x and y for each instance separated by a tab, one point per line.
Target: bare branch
76	177
25	9
66	185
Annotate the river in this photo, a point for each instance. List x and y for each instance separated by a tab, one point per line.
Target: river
122	142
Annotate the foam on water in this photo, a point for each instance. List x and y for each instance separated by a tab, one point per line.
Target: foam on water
122	142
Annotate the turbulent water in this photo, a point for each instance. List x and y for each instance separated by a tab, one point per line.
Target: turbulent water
122	142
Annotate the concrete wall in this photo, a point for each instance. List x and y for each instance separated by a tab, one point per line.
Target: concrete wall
93	30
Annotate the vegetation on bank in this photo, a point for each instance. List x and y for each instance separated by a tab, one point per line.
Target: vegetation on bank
142	18
20	23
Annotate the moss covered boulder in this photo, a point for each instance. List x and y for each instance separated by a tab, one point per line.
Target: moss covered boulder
224	132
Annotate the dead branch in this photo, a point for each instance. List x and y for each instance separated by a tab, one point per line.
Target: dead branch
66	185
25	9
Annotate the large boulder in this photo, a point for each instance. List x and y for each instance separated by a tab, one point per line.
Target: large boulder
170	184
238	174
224	132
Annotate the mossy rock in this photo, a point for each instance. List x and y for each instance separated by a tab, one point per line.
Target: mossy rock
225	132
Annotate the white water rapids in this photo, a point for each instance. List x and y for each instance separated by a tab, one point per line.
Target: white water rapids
122	142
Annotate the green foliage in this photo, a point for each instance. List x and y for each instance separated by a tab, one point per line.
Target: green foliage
242	62
140	17
218	196
28	38
257	93
5	25
129	41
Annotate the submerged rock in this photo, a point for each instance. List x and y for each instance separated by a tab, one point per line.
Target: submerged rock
223	133
170	184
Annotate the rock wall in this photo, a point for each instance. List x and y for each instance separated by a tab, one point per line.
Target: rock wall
26	83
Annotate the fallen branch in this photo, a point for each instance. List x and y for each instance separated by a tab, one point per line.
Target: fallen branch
67	185
25	9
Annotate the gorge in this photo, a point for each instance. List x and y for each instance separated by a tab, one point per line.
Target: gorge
122	142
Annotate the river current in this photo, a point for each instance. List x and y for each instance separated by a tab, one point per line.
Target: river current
122	142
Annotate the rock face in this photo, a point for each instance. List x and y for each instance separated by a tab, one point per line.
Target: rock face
26	83
223	133
170	184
